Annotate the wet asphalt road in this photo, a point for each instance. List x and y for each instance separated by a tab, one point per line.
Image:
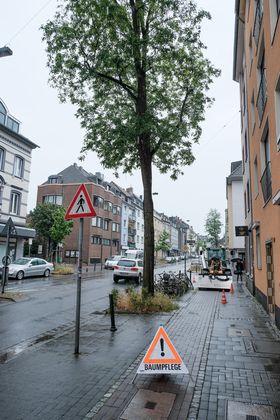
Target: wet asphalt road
50	304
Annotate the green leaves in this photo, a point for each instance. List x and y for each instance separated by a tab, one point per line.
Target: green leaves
135	70
48	220
213	226
163	243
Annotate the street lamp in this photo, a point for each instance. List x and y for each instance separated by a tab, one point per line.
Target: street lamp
5	51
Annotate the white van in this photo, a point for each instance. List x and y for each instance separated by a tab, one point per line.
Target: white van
134	254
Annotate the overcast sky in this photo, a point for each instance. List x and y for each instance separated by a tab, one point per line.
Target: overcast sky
52	126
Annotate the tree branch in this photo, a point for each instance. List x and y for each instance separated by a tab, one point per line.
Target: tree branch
127	88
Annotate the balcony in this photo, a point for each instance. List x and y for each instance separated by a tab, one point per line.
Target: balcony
266	183
131	232
261	98
258	20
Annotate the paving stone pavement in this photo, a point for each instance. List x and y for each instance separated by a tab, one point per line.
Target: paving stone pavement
231	351
218	343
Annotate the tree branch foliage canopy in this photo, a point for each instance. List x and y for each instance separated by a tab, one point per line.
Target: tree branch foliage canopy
102	53
48	221
163	243
213	227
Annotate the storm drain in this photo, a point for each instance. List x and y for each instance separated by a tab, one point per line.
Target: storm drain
148	404
243	411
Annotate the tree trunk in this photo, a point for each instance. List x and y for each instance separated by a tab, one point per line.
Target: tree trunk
148	274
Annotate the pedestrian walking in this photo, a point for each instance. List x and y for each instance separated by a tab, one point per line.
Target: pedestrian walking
238	270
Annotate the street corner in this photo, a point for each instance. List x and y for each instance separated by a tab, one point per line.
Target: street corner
13	297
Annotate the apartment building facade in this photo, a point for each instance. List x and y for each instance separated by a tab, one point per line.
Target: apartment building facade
235	245
257	70
15	167
101	233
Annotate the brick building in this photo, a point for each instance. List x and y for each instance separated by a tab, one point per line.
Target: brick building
101	233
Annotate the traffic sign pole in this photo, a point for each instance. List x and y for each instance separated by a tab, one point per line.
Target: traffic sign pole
5	267
79	287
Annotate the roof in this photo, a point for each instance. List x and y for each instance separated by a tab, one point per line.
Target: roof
236	172
18	136
75	174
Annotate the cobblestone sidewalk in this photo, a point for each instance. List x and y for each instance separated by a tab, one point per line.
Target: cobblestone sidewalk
233	354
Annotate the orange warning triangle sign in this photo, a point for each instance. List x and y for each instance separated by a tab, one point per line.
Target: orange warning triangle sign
162	357
162	344
81	205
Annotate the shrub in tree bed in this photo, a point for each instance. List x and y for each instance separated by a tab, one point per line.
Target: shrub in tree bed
135	301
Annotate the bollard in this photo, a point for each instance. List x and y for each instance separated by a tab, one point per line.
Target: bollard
113	326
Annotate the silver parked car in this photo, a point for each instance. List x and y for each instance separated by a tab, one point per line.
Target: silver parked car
112	261
127	268
26	267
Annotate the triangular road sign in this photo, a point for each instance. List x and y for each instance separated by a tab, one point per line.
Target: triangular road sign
9	225
81	205
162	357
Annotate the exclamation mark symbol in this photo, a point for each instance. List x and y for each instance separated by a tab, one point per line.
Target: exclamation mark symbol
162	347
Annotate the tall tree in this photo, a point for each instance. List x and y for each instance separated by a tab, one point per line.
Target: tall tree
213	227
136	72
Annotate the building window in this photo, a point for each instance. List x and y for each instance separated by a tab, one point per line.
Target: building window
274	8
98	201
116	210
18	167
97	221
2	183
106	224
106	242
266	175
137	238
142	240
15	203
253	116
53	180
2	159
138	225
124	223
96	240
258	248
262	95
258	20
256	178
248	197
246	147
115	227
3	114
277	112
250	52
53	199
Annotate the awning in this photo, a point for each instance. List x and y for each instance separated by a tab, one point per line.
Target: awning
22	231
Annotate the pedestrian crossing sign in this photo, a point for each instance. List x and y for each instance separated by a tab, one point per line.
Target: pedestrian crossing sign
81	205
162	357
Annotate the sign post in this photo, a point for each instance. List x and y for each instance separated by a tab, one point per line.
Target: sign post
80	207
9	229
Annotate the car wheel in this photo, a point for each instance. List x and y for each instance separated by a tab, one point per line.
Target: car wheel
139	280
47	273
116	279
20	275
